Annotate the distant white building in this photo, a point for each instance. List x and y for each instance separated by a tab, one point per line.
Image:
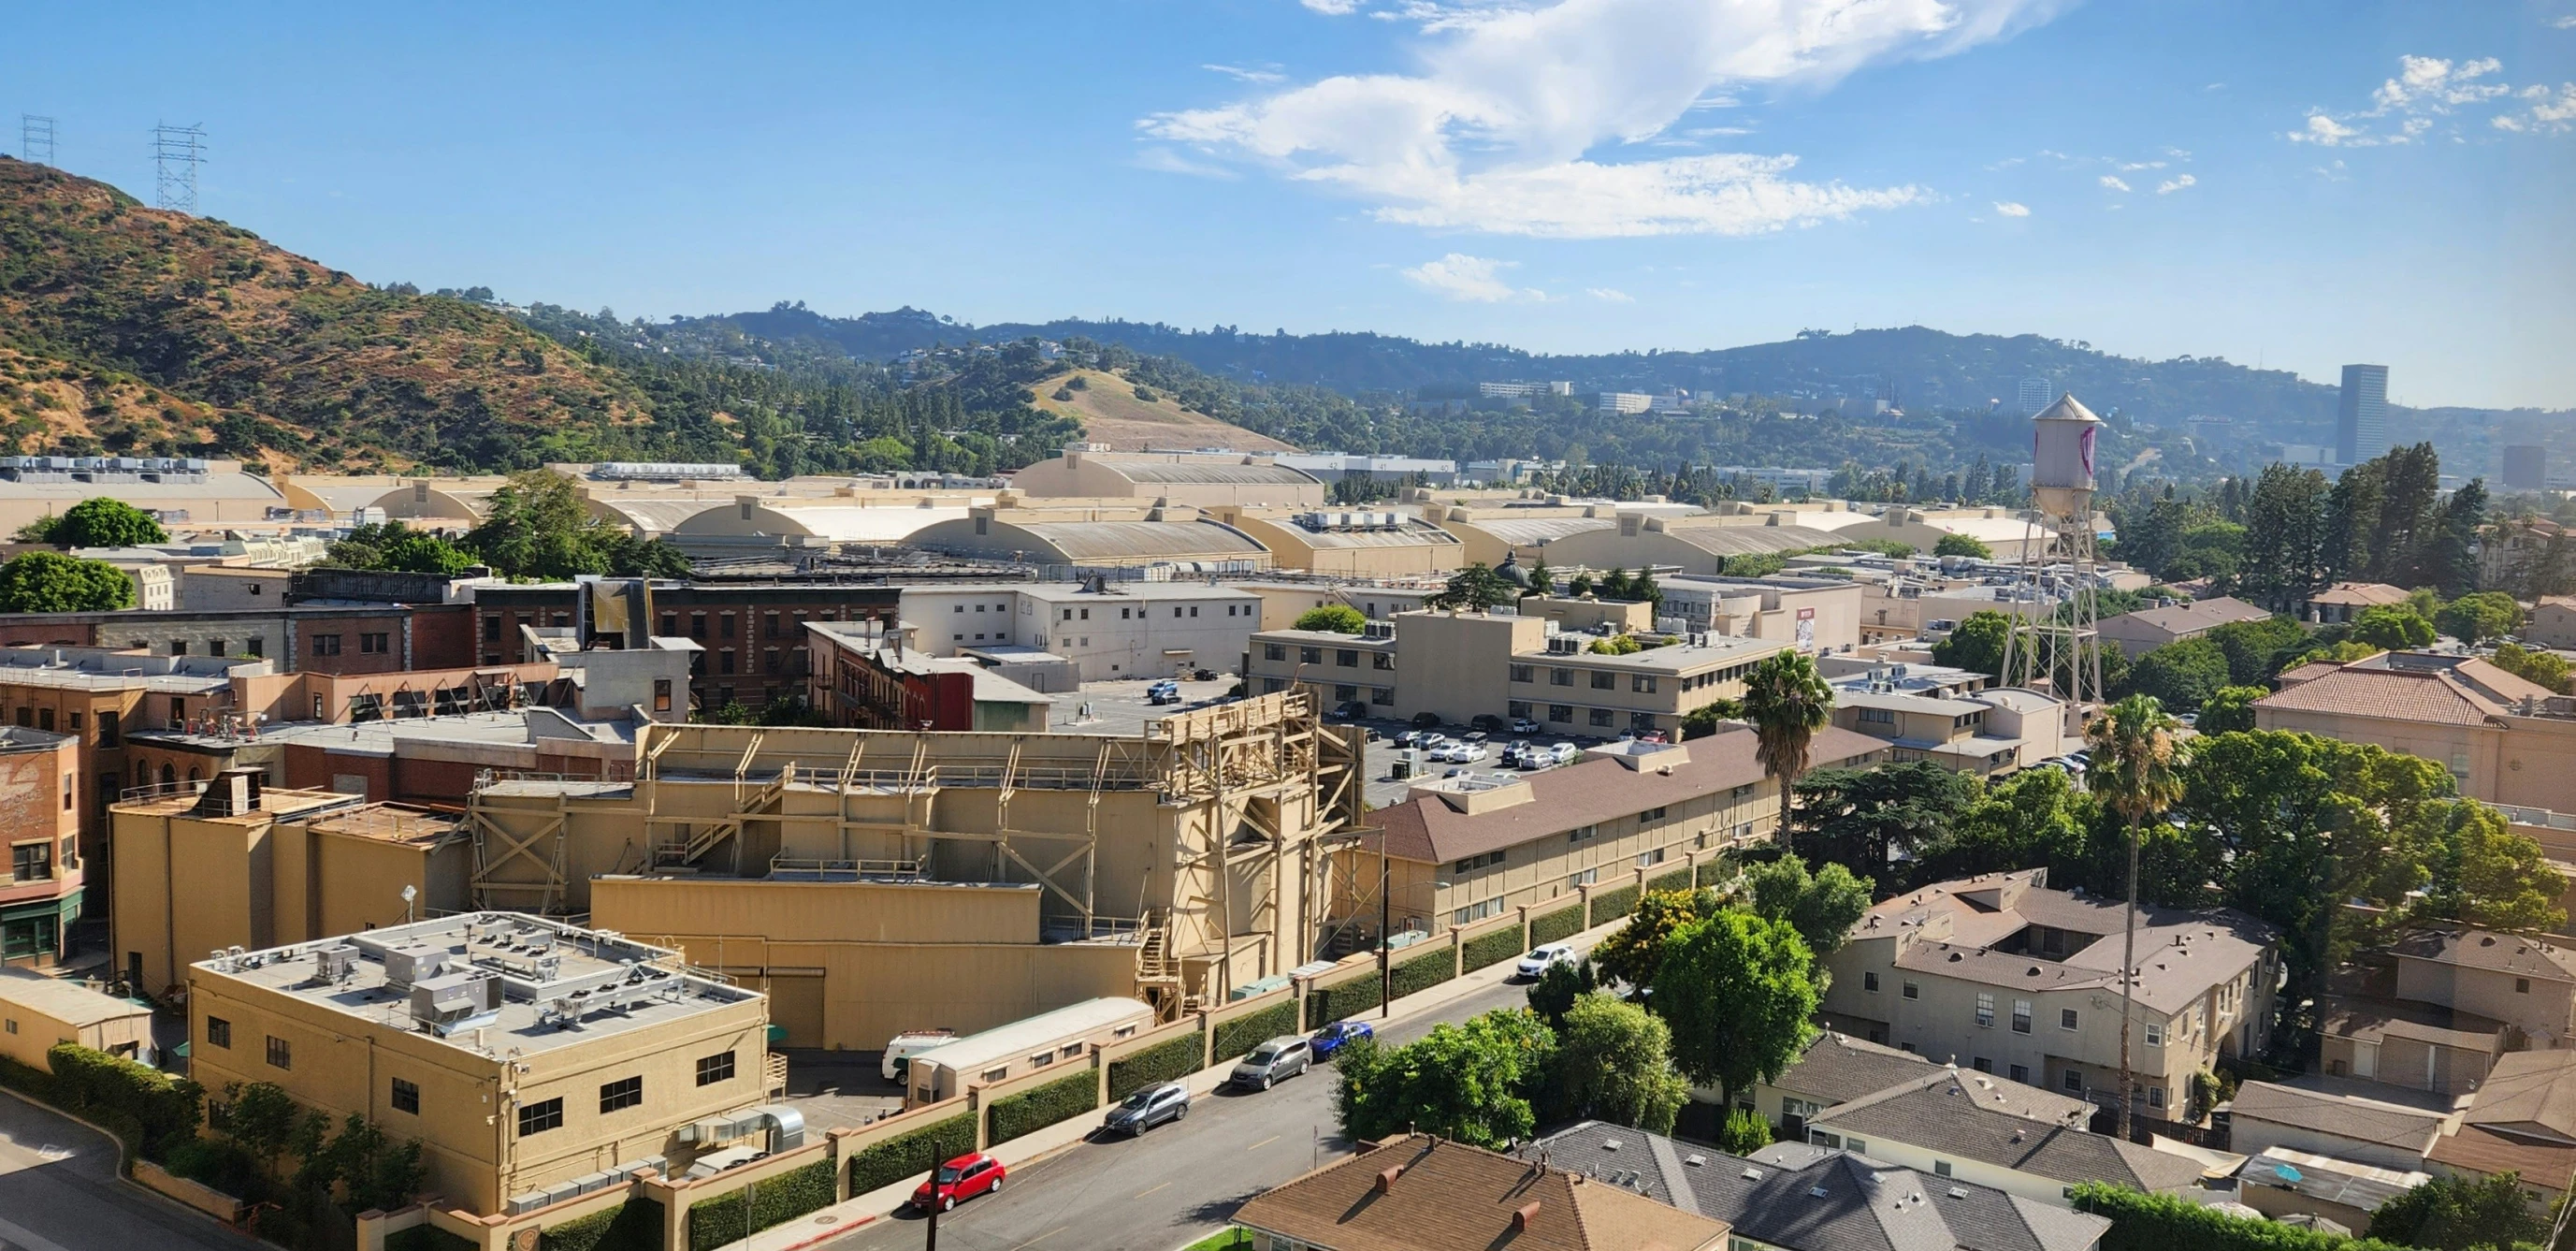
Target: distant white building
2036	395
1626	402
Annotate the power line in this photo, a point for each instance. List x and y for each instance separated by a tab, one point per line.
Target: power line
35	139
176	153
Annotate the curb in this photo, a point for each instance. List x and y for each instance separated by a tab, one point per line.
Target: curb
125	1157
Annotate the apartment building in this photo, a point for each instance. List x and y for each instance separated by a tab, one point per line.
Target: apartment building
2143	631
2505	740
41	885
1106	631
2001	974
1462	665
867	680
1463	849
525	1055
1924	713
2529	984
2344	602
751	635
1996	1133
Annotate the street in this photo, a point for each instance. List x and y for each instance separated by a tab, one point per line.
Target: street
1177	1183
59	1192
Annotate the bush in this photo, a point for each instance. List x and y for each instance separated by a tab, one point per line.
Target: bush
1032	1110
1328	1004
1424	971
2145	1222
36	1084
1712	872
1490	950
1162	1062
115	1092
910	1152
428	1237
1678	879
734	1217
1613	903
218	1162
1745	1132
1556	926
636	1226
1243	1033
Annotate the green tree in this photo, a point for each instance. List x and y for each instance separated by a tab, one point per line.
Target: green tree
1709	718
1632	952
2254	648
1865	816
2182	674
1475	587
96	522
1744	1133
2544	668
1614	1063
2286	521
1541	578
1738	991
53	582
1580	585
1614	585
2137	772
1977	644
2487	875
260	1117
1470	1082
1963	545
2229	709
1336	618
1559	985
536	526
2392	627
426	553
2461	1214
1787	702
1616	645
1822	906
2033	819
1642	588
2479	617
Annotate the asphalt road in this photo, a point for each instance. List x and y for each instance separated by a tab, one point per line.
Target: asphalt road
1176	1184
59	1192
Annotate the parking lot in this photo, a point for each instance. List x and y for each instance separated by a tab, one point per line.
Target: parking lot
1119	708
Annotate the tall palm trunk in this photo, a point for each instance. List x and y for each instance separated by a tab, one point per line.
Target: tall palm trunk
2128	977
1781	835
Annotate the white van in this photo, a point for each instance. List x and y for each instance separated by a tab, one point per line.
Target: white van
904	1046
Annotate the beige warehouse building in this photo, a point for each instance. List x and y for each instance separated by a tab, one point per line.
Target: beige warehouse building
1349	542
1206	479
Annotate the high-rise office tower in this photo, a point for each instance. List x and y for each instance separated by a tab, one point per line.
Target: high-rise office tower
2526	467
2036	395
2361	421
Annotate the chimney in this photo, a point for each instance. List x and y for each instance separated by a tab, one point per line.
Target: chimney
1524	1215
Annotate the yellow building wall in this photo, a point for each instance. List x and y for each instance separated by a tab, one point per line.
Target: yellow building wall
26	1033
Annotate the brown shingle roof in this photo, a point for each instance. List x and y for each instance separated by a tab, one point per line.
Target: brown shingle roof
1445	1196
2534	1091
2197	616
1594	790
2484	949
2006	1124
2360	594
2479	1150
2339	1116
2391	694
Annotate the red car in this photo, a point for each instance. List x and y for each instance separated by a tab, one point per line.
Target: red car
959	1180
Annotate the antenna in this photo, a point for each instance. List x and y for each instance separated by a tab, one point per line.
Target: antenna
176	153
35	139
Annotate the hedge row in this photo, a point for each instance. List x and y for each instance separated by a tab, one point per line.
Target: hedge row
1557	926
636	1226
1492	949
1678	879
148	1111
1714	872
2145	1222
915	1151
1032	1110
777	1200
1611	904
1327	1004
1425	971
1162	1062
1243	1033
428	1237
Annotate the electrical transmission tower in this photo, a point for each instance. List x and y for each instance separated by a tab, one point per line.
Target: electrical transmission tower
176	153
35	139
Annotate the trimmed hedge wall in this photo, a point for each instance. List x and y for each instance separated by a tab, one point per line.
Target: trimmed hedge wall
1328	1004
1242	1034
428	1237
149	1111
1715	871
637	1226
720	1220
1678	879
916	1151
1490	950
1425	971
2145	1222
1610	904
1162	1062
1557	926
1032	1110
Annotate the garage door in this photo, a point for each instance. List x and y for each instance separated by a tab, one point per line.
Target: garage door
796	1005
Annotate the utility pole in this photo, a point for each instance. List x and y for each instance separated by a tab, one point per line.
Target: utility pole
1385	954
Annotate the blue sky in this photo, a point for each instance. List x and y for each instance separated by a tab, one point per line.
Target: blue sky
2301	183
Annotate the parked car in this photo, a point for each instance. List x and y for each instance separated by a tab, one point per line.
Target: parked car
1338	1035
900	1049
1349	710
959	1180
1541	958
1148	1108
1652	736
1523	725
1563	754
1458	753
1277	1060
1166	691
1412	738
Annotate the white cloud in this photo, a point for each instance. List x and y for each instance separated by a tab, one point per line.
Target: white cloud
2010	209
2425	90
1240	74
2566	23
1502	126
2325	131
2176	183
1163	160
1331	8
2114	184
2131	167
1611	295
2554	115
1474	279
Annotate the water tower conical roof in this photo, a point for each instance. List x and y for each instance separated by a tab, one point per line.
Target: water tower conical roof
2067	408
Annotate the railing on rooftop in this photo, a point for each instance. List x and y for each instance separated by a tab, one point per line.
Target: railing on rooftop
849	870
2520	815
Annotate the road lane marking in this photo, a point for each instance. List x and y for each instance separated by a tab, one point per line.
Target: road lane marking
1041	1237
1263	1143
1142	1193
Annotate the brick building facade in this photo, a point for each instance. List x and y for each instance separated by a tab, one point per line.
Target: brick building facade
753	633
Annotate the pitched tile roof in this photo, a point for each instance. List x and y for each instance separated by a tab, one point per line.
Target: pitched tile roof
1418	1193
2391	694
2007	1124
2180	954
2493	952
2195	616
2360	594
1591	790
2339	1116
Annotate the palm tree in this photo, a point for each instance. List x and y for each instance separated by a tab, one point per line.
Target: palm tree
1787	702
2137	772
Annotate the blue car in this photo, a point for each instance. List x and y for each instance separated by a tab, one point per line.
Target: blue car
1331	1038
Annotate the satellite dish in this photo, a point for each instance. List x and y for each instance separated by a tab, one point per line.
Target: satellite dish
410	893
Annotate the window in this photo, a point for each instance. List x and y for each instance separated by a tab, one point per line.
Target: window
697	625
1524	673
492	629
1475	912
281	1054
1560	712
1985	1010
724	625
1651	814
255	647
1877	716
1560	677
1310	655
32	862
1381	694
2066	1018
178	647
1643	683
2155	1035
219	1033
1605	681
2522	986
661	694
326	644
1585	878
1485	861
1983	1065
2021	1016
1649	858
2021	1073
1274	651
1910	990
1345	694
1382	660
108	735
715	1068
2155	1096
1869	981
1941	1168
1582	833
769	625
2073	1081
1346	658
1600	716
537	1118
621	1094
406	1097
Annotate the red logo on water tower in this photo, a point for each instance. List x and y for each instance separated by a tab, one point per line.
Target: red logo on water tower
2086	447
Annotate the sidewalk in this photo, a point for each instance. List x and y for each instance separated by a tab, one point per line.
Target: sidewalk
860	1211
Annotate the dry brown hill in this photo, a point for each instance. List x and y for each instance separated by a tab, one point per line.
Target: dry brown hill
1111	412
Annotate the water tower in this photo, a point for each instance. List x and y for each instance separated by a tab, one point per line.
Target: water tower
2055	644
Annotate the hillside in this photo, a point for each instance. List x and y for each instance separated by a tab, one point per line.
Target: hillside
49	405
350	376
1111	412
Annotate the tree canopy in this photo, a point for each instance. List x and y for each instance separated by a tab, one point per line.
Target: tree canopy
2479	617
1963	545
1862	816
535	526
1336	618
1787	702
2181	675
1471	1082
1977	643
2390	627
1738	991
1633	952
1822	906
2461	1214
1614	1063
2229	709
53	582
96	522
1475	587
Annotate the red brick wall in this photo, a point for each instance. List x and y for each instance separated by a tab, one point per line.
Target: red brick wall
353	656
442	637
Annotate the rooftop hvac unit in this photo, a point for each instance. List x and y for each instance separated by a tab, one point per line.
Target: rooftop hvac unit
335	964
406	967
458	1001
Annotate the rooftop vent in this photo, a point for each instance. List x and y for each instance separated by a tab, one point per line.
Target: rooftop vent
232	793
